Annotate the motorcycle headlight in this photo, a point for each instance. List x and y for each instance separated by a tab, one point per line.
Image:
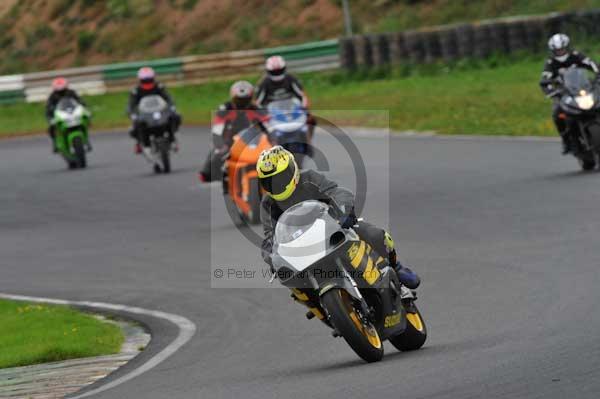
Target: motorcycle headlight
157	116
585	101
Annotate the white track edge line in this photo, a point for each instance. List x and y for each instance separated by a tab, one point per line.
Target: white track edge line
187	329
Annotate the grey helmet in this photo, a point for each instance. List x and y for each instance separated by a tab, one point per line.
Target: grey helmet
559	46
241	93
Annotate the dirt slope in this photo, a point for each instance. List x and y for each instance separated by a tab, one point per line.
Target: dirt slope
46	34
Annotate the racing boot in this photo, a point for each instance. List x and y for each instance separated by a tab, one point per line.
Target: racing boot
407	277
566	144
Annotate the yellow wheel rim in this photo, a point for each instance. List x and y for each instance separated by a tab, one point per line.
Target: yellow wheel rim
370	333
415	320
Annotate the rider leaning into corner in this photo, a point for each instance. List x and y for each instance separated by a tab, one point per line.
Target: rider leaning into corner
60	90
231	118
286	186
147	85
561	58
277	84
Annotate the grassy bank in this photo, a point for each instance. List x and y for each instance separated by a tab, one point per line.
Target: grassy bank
495	97
41	35
39	333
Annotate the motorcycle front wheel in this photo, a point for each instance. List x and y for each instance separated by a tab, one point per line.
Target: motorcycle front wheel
79	152
165	157
360	334
587	162
254	199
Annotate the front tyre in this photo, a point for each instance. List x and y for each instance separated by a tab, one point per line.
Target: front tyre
165	157
254	199
79	152
358	333
587	162
415	334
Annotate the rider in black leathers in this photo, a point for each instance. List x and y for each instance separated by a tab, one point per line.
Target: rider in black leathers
562	57
277	84
286	186
148	86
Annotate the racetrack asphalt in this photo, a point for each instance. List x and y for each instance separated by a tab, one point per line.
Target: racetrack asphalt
503	233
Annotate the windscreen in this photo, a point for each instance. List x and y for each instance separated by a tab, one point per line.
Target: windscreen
298	219
283	111
576	79
151	104
67	104
283	105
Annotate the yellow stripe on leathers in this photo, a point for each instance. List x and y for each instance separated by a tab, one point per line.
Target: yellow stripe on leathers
371	272
359	255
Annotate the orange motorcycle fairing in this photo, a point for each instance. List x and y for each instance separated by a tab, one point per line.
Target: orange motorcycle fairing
242	176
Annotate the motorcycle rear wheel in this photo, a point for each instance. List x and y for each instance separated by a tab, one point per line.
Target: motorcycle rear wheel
364	340
415	334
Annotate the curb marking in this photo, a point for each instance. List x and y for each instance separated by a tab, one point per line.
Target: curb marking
187	329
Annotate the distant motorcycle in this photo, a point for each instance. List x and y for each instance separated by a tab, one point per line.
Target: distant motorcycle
580	105
344	282
71	120
240	179
288	127
153	119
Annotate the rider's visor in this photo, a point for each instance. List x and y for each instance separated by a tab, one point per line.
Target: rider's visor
278	183
277	72
147	84
560	52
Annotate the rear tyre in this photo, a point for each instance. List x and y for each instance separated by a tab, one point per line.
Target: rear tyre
254	201
363	339
79	152
415	334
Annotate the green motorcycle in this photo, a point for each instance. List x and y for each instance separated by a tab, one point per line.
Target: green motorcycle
71	120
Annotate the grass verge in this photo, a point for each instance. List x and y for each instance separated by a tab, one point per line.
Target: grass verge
496	96
39	333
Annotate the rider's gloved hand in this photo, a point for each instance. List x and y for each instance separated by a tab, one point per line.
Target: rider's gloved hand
348	220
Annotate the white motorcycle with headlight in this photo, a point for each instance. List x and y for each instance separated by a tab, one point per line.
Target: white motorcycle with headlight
580	107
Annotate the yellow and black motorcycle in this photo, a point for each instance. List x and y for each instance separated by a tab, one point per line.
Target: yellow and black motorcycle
344	282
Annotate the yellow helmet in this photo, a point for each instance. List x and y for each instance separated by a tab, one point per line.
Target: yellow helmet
278	172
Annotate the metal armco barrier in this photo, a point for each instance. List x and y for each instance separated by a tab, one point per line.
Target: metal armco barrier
194	69
474	40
